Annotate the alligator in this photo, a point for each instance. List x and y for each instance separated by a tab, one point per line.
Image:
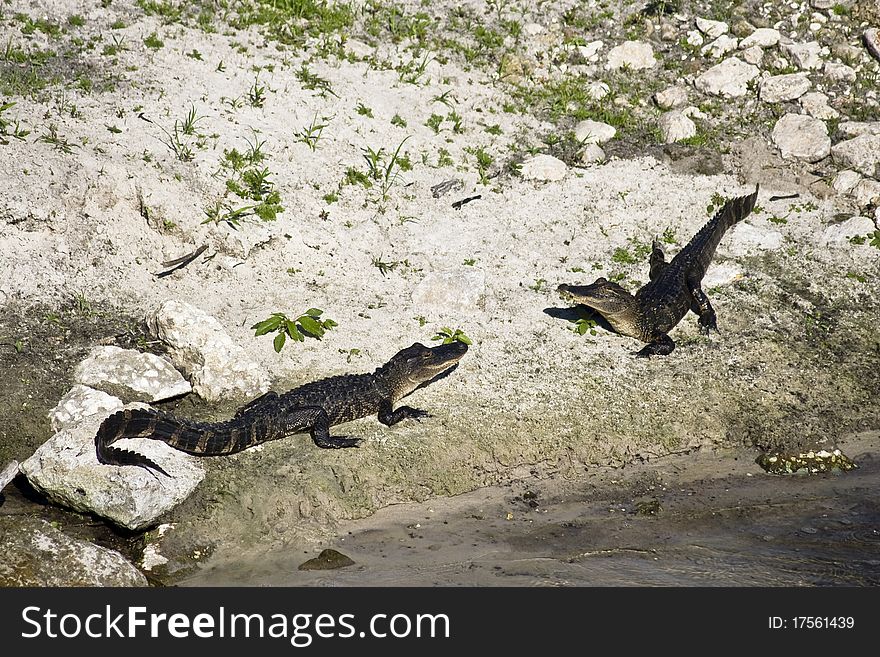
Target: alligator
673	288
313	407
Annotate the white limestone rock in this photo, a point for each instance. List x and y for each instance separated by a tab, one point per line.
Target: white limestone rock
36	554
453	291
591	154
802	137
728	79
720	47
753	55
723	273
840	234
712	29
845	181
81	402
763	37
840	72
860	153
871	39
671	98
543	168
859	128
633	54
133	375
675	126
807	56
199	346
816	105
66	470
779	88
867	193
594	132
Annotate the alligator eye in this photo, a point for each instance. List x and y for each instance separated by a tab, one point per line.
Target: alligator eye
601	279
426	355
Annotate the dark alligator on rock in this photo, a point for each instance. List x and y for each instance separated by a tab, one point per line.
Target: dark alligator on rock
673	289
313	407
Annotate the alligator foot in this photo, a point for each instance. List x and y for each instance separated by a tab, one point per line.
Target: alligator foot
661	346
707	323
390	417
337	442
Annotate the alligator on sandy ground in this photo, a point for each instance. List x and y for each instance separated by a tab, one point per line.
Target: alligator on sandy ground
313	407
673	289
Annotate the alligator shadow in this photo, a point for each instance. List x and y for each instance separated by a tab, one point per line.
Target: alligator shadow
442	375
579	311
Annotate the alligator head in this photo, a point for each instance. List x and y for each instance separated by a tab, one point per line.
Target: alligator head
417	365
613	301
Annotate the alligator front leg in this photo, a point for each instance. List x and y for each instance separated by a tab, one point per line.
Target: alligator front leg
703	308
660	345
314	418
389	417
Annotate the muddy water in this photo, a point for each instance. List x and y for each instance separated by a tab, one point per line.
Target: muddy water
705	518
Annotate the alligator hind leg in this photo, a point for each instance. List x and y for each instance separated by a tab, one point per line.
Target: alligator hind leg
700	305
657	261
320	430
661	345
389	417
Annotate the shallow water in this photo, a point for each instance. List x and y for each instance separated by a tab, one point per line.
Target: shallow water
721	521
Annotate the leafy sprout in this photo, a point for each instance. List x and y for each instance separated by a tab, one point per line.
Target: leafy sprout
448	335
309	324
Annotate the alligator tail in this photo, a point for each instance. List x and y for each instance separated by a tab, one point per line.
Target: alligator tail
128	423
702	246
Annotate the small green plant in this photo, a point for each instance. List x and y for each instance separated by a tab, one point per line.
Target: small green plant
363	110
310	134
448	335
58	142
875	239
382	266
385	170
470	262
18	132
584	325
312	81
669	237
484	161
623	256
538	285
309	323
398	121
194	54
256	95
434	122
153	41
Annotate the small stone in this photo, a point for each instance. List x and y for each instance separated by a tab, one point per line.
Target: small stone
668	31
867	193
591	154
695	39
720	47
753	55
8	473
802	137
130	374
712	29
859	128
453	291
840	72
675	126
721	274
590	51
780	88
671	98
543	167
845	181
816	105
632	54
765	37
840	234
533	29
593	132
359	49
871	39
860	153
807	56
823	4
329	559
729	78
